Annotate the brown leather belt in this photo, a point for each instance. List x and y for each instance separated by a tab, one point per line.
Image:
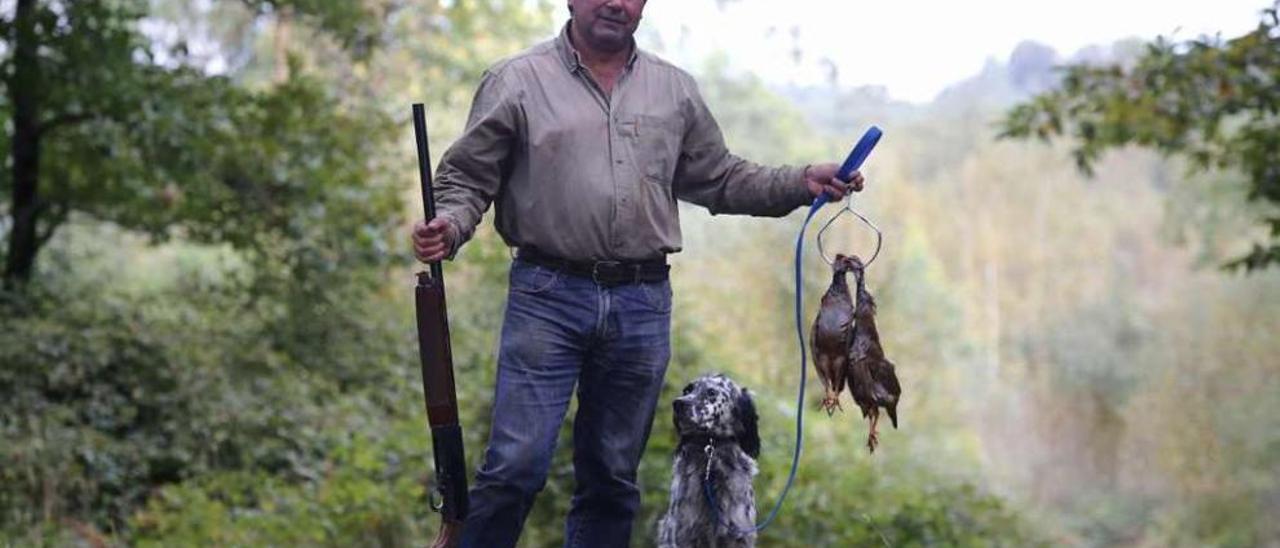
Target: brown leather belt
607	273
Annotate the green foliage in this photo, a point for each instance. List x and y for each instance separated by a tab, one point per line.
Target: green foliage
356	24
269	172
132	134
743	105
371	494
1215	103
843	497
257	332
219	349
106	395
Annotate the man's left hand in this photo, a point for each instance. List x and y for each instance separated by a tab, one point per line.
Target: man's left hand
822	178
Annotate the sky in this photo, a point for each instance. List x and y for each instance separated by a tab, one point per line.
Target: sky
914	49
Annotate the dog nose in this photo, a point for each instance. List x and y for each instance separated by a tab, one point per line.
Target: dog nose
680	406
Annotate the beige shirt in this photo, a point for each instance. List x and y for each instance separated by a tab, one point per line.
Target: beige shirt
585	176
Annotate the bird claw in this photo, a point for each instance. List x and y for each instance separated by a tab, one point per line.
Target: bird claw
830	405
872	441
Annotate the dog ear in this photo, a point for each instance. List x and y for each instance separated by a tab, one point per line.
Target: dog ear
746	429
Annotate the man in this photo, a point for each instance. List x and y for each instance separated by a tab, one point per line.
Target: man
585	143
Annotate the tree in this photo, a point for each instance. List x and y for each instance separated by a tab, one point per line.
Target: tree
267	129
1215	103
109	123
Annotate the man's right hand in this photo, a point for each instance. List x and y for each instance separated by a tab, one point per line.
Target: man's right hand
433	240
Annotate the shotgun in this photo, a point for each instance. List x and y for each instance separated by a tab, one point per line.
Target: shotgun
449	497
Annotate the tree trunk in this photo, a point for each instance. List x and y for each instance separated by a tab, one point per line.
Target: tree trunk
283	25
24	90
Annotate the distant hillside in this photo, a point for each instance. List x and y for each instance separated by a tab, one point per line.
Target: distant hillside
960	116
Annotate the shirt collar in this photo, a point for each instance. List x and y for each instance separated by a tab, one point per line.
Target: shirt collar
573	61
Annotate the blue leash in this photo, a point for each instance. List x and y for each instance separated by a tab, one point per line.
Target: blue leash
856	157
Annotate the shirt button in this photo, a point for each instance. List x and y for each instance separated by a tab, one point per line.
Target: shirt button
619	162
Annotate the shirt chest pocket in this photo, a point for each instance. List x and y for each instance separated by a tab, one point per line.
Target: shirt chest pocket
655	145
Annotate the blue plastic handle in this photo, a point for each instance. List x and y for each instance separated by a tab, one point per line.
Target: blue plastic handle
859	153
851	164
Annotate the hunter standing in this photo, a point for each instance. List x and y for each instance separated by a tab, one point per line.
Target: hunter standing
584	143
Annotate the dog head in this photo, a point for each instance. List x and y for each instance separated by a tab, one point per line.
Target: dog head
717	407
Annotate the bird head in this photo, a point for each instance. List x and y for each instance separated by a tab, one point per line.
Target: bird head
847	263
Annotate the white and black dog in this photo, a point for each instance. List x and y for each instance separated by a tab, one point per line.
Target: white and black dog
719	443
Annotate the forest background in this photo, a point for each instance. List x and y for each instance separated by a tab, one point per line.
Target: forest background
207	337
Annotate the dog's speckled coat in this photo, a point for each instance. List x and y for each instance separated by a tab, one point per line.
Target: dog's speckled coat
713	410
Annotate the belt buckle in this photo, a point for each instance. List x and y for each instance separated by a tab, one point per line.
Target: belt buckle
595	270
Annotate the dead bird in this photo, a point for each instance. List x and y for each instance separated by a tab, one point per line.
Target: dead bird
872	381
832	334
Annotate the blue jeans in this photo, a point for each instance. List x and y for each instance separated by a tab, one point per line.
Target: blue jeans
559	331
